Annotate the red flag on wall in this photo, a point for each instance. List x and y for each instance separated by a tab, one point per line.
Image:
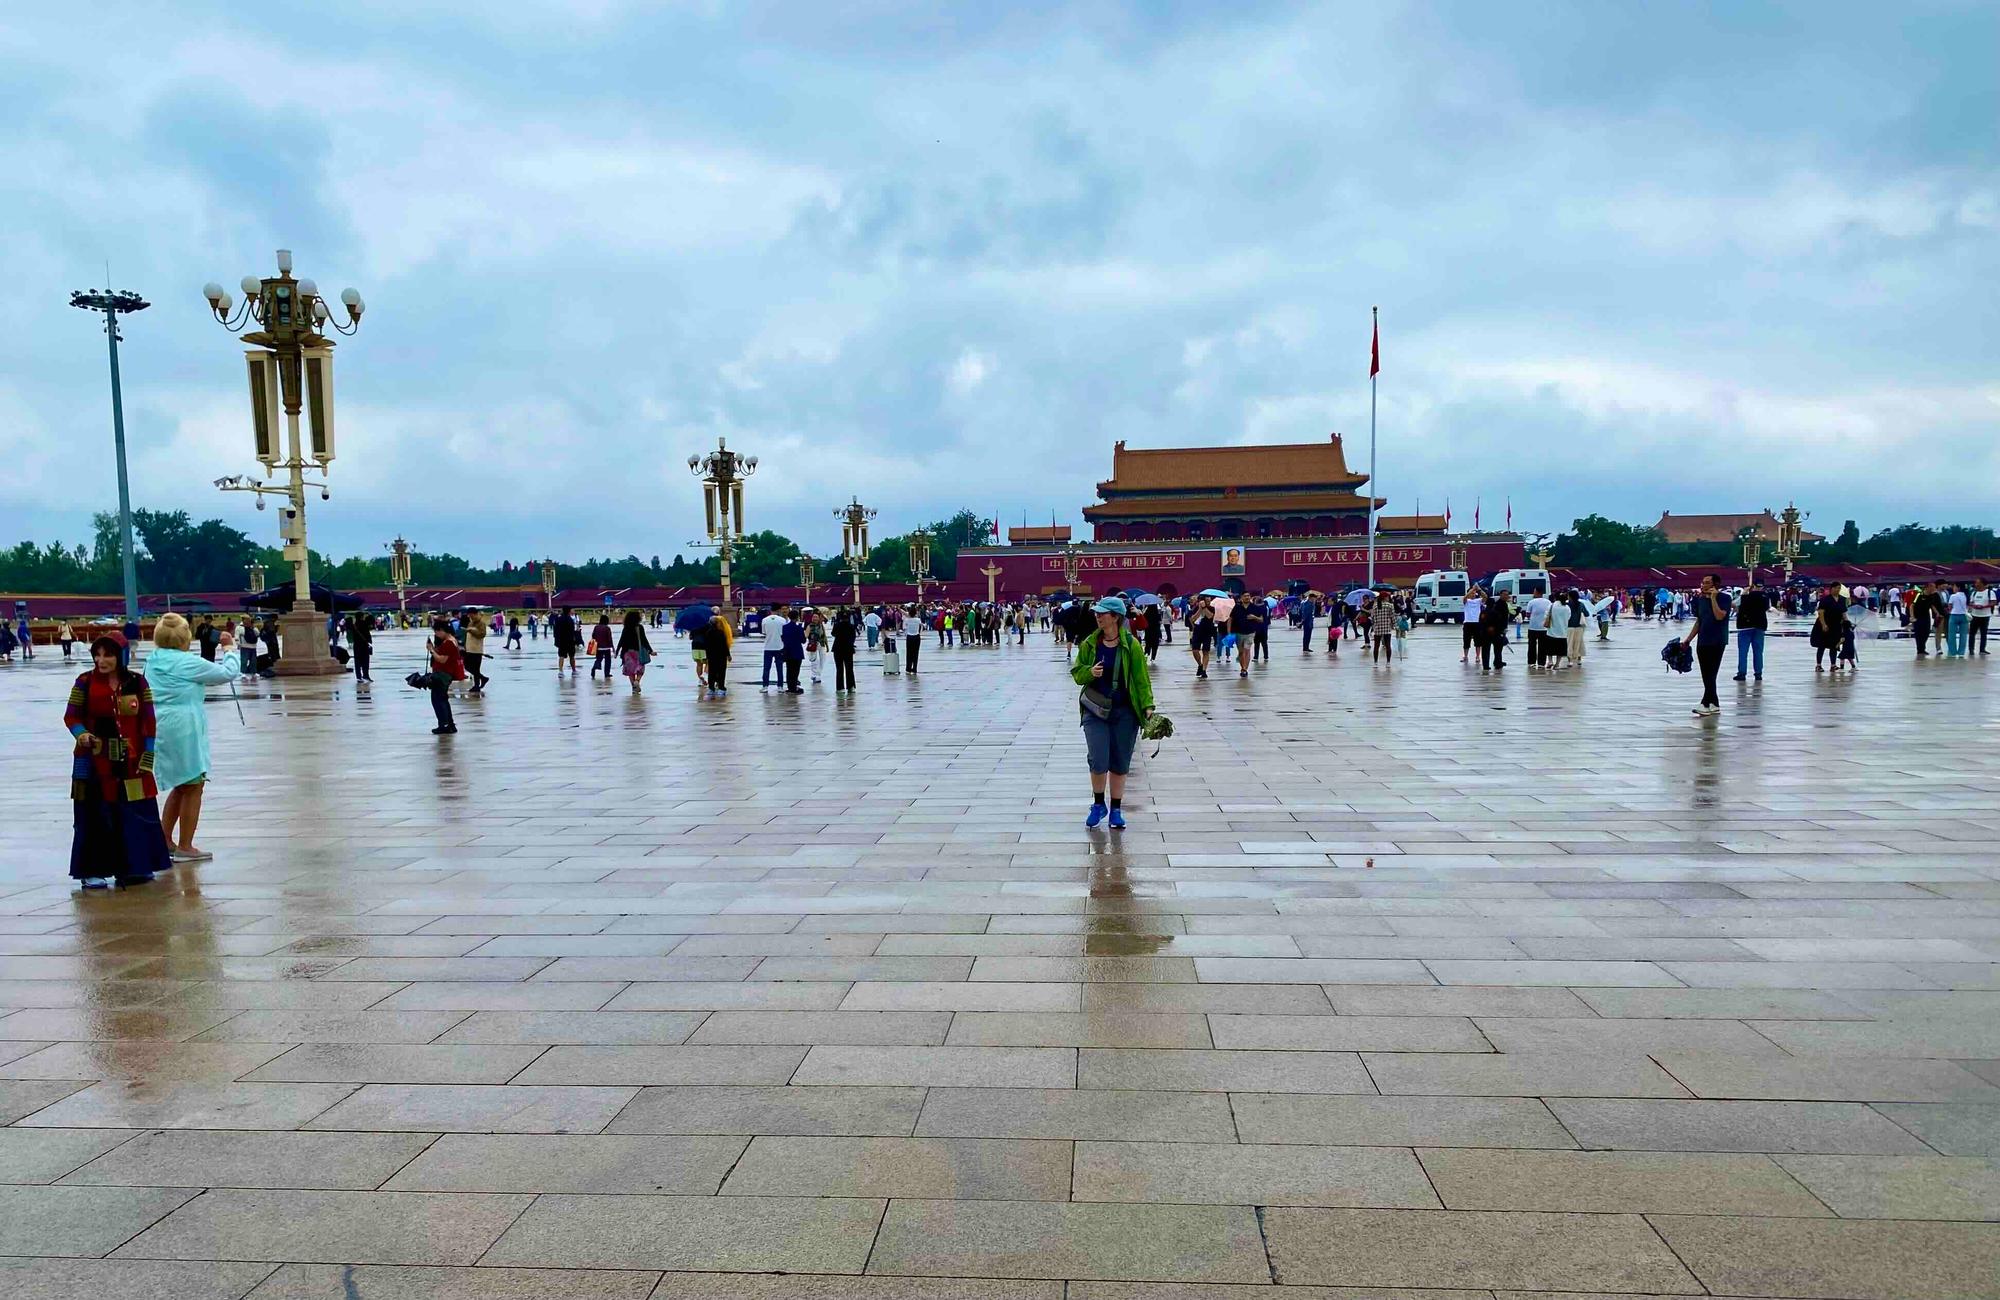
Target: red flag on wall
1375	350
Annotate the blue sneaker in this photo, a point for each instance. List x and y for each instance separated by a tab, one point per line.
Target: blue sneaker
1097	811
1117	819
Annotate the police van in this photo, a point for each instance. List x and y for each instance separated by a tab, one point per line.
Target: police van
1519	585
1440	596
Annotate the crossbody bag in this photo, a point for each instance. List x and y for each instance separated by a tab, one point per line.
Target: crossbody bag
1098	702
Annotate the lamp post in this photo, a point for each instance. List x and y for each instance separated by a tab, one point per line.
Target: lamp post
290	366
1789	538
111	304
920	561
399	576
1072	565
722	472
806	577
549	585
854	519
1753	551
1458	553
256	572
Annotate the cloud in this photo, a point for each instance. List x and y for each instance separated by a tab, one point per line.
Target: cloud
1674	257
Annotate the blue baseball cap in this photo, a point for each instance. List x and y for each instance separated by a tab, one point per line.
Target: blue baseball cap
1110	605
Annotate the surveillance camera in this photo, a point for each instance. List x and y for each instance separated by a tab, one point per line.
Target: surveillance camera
260	503
325	495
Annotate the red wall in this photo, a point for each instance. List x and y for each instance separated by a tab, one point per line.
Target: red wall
1267	565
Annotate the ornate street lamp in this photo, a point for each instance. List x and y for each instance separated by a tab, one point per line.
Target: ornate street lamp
722	472
1753	552
111	304
549	585
806	577
920	561
256	572
1790	537
291	367
1072	565
854	519
1458	553
399	575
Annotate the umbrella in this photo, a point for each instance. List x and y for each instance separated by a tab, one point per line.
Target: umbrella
1145	599
1222	610
694	616
1215	591
1355	597
324	598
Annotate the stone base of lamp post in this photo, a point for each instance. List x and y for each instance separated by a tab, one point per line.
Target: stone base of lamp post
302	647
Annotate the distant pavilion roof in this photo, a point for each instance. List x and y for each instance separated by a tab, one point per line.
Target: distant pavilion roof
1682	529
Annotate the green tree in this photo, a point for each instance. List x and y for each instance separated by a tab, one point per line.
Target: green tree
1595	542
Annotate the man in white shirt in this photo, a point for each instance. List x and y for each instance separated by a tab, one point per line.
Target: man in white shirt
774	647
1475	605
872	622
1538	628
1980	603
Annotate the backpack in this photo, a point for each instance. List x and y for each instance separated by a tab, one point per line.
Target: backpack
1677	656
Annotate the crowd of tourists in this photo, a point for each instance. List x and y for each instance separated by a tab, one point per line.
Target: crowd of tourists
138	733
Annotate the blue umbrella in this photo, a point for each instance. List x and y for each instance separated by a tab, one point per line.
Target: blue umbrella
694	616
1214	591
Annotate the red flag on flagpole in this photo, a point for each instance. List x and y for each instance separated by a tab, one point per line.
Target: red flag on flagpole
1475	514
1510	514
1375	350
1447	514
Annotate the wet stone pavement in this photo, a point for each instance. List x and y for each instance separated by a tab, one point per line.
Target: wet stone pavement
616	997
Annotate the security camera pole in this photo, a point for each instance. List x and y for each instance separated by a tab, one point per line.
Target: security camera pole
290	366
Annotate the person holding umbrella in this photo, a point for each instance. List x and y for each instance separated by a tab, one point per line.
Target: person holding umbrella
1117	697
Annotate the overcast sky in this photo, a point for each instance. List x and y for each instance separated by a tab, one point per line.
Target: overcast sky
1630	257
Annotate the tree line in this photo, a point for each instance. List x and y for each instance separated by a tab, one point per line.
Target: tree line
1595	542
175	554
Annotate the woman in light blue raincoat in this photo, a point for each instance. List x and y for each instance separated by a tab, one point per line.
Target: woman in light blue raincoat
180	750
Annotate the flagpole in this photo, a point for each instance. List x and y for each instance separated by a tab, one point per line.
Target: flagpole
1374	365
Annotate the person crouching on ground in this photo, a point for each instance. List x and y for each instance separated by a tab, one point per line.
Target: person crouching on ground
1117	696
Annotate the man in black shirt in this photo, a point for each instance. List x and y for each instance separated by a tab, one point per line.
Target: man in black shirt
1926	611
1710	635
1753	615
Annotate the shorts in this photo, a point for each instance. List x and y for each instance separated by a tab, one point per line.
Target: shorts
1109	742
700	655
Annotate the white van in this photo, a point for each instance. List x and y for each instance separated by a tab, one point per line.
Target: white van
1440	596
1520	585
